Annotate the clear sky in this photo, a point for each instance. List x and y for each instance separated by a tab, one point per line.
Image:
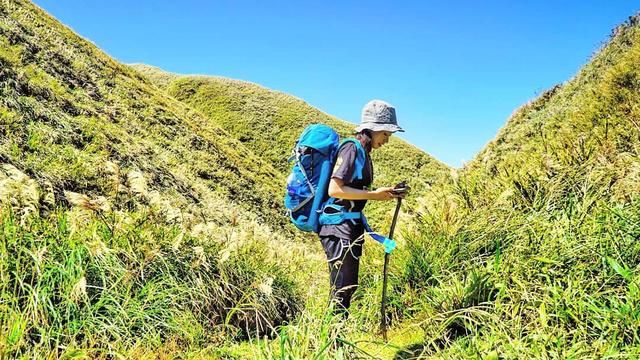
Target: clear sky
455	70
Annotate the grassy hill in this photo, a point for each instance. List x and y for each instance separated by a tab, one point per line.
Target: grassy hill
129	221
269	122
532	251
132	221
68	109
140	217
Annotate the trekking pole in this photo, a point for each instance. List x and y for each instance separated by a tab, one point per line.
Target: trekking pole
383	311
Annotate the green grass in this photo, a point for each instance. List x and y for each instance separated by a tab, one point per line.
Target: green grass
532	250
132	224
67	110
141	219
110	284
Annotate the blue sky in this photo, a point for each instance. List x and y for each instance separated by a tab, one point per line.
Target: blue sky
454	70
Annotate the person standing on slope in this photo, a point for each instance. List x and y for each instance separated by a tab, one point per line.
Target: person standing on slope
343	242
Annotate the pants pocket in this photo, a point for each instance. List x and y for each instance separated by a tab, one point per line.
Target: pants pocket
333	247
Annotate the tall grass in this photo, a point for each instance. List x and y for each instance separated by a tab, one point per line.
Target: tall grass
101	292
532	252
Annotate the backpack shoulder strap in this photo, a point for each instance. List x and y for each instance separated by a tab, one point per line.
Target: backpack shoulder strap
361	157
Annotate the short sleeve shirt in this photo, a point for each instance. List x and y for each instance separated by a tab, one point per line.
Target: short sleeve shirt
344	169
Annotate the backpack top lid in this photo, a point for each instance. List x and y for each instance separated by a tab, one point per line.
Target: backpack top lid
320	137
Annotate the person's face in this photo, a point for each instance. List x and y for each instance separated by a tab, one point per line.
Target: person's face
379	138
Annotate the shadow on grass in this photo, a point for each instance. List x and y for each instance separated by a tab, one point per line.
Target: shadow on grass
420	350
413	351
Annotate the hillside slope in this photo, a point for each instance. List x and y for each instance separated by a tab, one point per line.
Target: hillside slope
129	222
589	125
532	251
67	109
269	122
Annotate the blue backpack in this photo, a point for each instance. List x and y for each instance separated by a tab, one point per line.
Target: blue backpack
306	199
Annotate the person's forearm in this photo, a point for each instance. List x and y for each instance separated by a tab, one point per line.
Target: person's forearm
337	189
349	193
342	191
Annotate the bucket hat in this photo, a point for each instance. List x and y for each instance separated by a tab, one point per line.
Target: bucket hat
378	115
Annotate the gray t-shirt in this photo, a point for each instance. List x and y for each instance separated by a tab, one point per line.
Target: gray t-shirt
343	170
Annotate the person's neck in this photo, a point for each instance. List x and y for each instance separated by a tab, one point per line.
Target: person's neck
363	142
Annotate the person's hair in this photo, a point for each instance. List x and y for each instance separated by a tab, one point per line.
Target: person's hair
365	137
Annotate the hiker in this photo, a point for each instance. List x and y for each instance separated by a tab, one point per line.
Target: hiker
343	242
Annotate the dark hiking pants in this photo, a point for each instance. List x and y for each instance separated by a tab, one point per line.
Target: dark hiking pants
343	256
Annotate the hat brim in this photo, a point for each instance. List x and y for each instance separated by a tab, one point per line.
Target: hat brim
379	127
